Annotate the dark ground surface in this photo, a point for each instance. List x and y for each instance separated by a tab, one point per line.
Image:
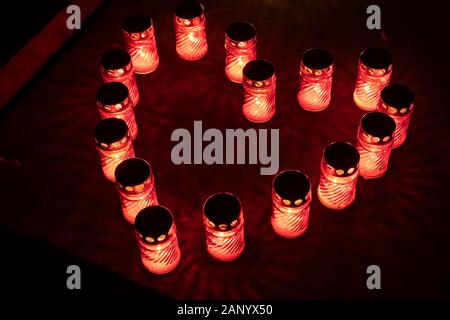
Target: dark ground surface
20	21
57	209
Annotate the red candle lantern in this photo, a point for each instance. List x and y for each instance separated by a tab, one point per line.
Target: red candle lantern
157	237
398	102
375	138
240	48
259	91
316	74
136	186
113	144
339	174
190	30
113	101
374	73
116	66
291	199
224	224
139	35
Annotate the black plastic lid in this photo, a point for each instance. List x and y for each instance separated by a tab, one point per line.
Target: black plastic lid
114	59
189	9
222	208
132	172
376	58
137	22
111	93
153	221
397	96
258	70
341	155
292	185
317	59
241	31
110	130
378	124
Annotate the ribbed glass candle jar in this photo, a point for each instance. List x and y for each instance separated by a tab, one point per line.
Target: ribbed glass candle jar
224	225
259	91
375	137
240	48
374	73
339	175
113	101
113	145
190	29
116	66
316	76
157	237
291	200
398	102
139	35
136	186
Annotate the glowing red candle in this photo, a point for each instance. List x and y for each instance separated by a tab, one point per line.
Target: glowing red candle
240	48
116	66
224	224
157	237
190	30
316	74
291	199
113	145
375	138
136	186
374	73
339	174
139	35
259	91
113	101
398	102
